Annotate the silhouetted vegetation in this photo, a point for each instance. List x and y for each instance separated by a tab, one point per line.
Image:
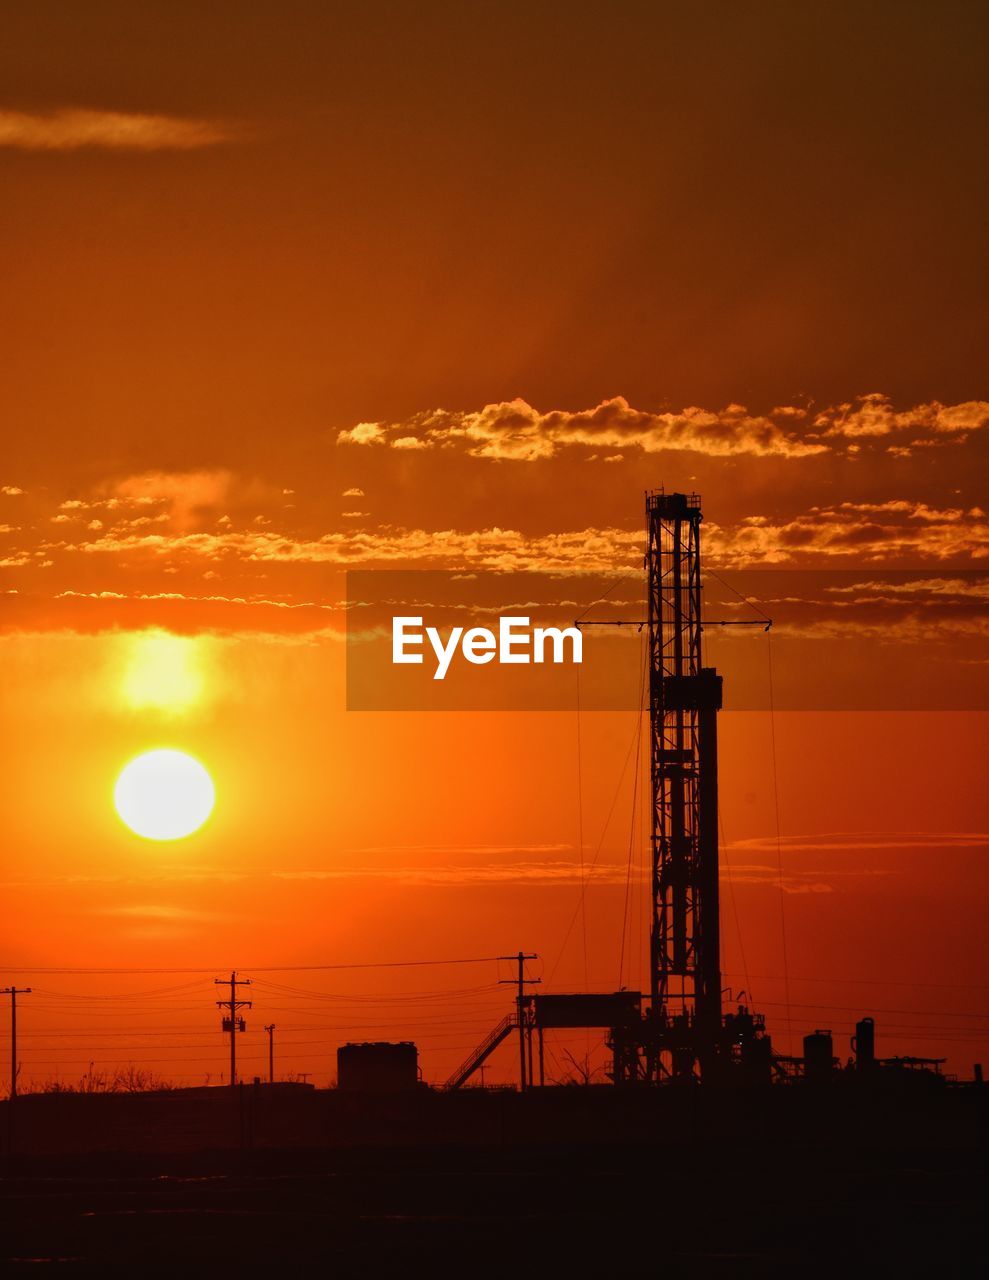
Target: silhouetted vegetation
129	1079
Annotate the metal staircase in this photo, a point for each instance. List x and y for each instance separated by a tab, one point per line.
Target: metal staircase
483	1051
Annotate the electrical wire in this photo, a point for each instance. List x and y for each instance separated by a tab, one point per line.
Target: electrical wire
597	851
709	573
876	982
734	905
580	786
779	830
635	809
256	968
580	832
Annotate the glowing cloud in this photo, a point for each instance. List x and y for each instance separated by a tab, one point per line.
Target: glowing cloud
515	431
189	495
71	129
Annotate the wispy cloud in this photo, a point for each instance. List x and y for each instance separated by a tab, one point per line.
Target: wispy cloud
856	841
463	849
188	495
855	531
71	129
822	534
827	874
597	550
875	415
550	873
528	867
515	431
923	590
158	911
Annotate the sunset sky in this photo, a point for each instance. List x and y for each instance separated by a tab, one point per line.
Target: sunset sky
301	288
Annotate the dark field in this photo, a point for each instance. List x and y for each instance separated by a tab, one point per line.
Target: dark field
723	1185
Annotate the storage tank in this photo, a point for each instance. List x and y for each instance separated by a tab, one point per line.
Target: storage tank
378	1067
864	1044
818	1055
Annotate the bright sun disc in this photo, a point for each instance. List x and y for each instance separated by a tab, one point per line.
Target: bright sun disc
164	795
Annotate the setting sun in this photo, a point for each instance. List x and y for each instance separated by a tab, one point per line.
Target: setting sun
164	795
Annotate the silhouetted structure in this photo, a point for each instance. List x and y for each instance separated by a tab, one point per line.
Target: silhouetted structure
678	1030
233	1024
477	1057
378	1067
684	1028
14	992
269	1031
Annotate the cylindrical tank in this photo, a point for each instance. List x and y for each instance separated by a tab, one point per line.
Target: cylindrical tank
864	1044
378	1067
818	1055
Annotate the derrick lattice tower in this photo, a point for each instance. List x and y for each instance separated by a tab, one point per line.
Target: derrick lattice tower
684	700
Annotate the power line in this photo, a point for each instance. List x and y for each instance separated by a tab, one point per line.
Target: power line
919	1013
123	995
597	852
580	835
258	968
874	982
635	824
709	573
779	830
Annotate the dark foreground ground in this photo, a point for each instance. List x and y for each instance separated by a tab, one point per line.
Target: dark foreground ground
576	1184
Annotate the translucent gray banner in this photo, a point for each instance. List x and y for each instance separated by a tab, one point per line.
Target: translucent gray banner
841	640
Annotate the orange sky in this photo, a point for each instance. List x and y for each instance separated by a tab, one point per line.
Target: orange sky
290	290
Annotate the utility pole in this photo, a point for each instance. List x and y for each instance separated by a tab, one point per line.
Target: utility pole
270	1028
14	992
233	1024
521	981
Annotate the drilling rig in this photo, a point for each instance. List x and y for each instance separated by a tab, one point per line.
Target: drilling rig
677	1031
683	1032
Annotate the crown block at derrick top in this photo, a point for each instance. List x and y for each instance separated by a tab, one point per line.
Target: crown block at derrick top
672	506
